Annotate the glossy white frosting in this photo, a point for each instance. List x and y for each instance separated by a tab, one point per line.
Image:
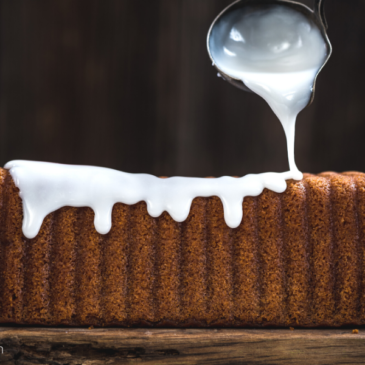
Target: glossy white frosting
45	187
276	52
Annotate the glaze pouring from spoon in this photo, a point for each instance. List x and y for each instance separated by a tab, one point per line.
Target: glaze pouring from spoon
275	49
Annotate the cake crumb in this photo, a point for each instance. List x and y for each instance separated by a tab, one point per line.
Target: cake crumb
91	327
291	328
355	332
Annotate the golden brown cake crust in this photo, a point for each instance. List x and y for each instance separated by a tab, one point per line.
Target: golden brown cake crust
297	259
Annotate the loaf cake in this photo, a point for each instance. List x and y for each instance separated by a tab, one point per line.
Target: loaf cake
297	259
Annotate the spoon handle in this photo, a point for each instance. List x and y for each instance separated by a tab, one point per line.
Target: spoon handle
319	11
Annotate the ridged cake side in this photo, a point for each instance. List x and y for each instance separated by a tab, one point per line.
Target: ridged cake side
297	259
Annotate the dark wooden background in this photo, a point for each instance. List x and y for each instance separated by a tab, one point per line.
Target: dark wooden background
128	84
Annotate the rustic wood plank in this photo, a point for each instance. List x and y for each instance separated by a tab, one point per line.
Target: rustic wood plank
180	346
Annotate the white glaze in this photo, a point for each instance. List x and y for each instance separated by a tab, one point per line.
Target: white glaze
45	187
276	52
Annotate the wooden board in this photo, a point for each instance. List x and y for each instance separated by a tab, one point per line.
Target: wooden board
189	346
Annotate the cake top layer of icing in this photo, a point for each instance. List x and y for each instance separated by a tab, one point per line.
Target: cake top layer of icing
45	187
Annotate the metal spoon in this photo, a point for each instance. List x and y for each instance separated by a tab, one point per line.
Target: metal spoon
316	16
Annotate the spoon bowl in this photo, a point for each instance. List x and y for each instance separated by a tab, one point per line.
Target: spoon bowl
315	17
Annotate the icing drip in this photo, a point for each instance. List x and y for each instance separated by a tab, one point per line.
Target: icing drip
45	187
